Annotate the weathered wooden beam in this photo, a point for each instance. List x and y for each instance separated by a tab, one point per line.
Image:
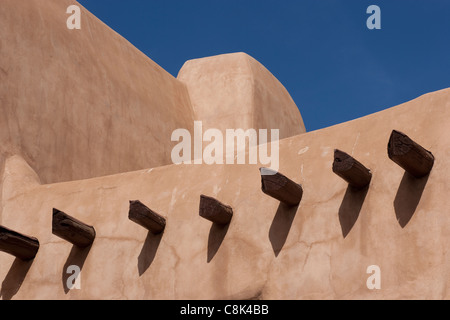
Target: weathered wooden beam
410	155
280	187
351	170
145	217
72	230
18	245
215	211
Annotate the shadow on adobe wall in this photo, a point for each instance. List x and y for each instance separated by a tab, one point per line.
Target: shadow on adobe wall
148	251
281	225
216	236
408	197
77	257
14	279
351	208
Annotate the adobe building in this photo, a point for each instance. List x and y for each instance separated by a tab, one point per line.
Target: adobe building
85	129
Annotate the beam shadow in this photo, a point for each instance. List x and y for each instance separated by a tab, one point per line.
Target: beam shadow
281	225
77	257
408	197
148	252
350	208
216	236
14	279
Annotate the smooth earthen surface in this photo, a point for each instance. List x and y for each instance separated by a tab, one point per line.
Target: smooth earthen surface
83	103
268	251
78	104
236	91
90	104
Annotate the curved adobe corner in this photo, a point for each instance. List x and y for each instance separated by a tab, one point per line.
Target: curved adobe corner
232	91
79	104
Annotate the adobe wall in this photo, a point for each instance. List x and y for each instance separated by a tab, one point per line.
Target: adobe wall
320	250
232	91
81	105
78	104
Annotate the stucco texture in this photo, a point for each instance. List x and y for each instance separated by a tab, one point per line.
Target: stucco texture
82	112
320	250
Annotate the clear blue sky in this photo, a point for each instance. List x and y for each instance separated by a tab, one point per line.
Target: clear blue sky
321	50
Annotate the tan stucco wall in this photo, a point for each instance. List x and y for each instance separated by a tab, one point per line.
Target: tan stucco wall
236	91
78	104
82	103
267	252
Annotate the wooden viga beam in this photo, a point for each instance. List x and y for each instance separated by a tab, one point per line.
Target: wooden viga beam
72	230
18	245
410	155
351	170
280	187
215	211
145	217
